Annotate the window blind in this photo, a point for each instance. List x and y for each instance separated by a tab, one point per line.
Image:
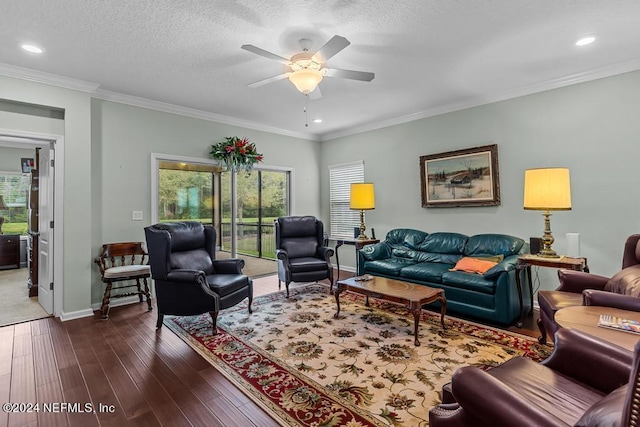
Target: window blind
343	219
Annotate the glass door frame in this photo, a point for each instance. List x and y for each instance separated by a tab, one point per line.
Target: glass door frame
156	158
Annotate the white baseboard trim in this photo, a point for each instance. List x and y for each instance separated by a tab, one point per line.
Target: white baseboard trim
76	314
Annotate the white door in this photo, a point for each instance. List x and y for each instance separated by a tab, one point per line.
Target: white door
45	219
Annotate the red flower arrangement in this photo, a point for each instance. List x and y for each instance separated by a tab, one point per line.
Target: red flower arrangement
236	154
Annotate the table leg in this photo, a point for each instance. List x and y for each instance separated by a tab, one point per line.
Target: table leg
338	244
443	310
528	268
520	322
337	292
415	308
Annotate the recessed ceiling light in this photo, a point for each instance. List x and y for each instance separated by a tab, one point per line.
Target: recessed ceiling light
317	120
585	41
31	48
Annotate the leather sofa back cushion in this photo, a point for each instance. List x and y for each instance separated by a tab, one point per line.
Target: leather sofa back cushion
418	256
185	236
625	282
406	237
297	247
493	244
444	243
197	259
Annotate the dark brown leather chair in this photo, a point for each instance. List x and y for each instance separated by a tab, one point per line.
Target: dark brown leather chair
189	280
585	382
301	251
572	283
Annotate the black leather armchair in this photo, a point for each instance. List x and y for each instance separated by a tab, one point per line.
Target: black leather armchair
585	382
573	283
189	280
301	251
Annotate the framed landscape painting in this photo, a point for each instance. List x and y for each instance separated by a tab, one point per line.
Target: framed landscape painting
461	178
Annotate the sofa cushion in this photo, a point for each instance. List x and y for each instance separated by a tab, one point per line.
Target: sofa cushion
406	237
493	244
425	271
297	247
419	256
473	265
625	282
470	281
444	243
387	267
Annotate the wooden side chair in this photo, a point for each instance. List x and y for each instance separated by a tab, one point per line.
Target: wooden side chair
120	264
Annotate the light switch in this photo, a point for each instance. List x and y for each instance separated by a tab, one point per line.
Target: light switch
136	216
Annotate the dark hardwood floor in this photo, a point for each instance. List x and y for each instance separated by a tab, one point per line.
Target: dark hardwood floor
138	376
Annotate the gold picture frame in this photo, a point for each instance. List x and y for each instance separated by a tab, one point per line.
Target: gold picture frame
460	178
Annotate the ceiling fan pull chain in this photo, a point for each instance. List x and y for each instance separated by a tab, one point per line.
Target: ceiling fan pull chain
306	111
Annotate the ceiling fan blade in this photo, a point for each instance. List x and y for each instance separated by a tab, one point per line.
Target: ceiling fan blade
258	51
330	48
269	80
350	74
316	94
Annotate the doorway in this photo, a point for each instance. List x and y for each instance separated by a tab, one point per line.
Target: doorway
26	285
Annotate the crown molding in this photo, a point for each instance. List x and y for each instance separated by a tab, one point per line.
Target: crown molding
47	78
598	73
193	113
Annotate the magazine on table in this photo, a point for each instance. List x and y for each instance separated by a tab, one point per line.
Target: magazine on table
613	322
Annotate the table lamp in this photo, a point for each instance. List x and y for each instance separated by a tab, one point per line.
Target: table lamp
362	198
547	189
3	207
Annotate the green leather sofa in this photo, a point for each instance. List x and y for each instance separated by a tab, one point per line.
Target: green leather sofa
426	258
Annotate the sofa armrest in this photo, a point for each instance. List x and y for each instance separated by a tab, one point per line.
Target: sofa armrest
610	299
228	266
578	281
505	407
506	265
380	250
590	360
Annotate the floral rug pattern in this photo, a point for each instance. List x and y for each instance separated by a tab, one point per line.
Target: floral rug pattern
307	368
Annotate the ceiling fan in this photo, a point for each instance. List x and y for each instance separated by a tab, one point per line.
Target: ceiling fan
307	69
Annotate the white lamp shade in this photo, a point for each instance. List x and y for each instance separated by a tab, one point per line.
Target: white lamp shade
547	189
306	80
362	196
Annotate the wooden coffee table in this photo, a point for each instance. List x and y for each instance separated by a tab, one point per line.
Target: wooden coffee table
410	295
585	319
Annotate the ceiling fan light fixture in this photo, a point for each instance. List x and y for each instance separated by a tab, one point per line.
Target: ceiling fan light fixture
306	80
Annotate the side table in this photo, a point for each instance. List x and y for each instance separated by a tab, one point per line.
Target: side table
358	243
526	261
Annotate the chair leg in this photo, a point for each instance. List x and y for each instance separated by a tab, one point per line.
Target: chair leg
139	289
286	284
214	319
160	319
542	339
250	301
105	301
147	293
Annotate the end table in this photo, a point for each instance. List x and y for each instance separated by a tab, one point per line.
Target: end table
526	261
358	243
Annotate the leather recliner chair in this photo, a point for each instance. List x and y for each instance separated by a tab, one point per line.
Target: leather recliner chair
189	280
573	283
585	382
301	251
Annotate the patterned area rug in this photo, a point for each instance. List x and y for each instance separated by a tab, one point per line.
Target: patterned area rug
308	369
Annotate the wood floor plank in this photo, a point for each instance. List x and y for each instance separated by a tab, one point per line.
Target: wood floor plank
5	392
51	392
44	359
22	389
6	349
80	394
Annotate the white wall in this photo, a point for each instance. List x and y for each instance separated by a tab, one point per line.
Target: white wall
592	128
124	137
10	158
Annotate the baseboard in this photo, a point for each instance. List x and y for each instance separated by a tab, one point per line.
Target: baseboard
76	314
117	302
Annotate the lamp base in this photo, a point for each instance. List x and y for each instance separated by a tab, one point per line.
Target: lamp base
547	239
362	236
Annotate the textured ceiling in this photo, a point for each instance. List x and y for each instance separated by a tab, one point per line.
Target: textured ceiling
428	56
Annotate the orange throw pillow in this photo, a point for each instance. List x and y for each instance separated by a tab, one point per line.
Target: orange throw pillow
473	265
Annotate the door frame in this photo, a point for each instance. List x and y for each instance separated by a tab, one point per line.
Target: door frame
22	139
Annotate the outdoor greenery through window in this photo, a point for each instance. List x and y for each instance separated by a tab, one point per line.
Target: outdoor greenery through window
202	192
14	187
343	219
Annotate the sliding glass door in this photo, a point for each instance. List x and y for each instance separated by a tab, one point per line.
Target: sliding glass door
262	196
